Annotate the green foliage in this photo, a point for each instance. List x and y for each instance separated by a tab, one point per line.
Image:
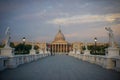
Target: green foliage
100	50
12	45
22	49
1	46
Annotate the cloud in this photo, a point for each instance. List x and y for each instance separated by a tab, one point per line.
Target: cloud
72	35
89	34
79	19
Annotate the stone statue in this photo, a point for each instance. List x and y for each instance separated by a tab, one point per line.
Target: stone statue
7	40
86	47
86	51
32	46
111	36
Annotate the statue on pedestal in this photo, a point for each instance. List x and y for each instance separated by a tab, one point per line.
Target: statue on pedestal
111	37
111	51
32	46
32	51
7	50
86	47
86	51
7	40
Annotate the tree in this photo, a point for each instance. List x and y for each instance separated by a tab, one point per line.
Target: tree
2	45
22	49
12	45
100	50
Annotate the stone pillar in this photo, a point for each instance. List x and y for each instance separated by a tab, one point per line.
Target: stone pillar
66	48
55	48
52	47
58	47
63	47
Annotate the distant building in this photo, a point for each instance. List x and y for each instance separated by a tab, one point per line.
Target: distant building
60	45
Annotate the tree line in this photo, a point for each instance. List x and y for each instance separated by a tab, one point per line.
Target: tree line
21	48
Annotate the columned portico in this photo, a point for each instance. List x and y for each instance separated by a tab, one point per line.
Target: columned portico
59	48
59	45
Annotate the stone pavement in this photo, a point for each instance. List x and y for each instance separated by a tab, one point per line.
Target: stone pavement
59	67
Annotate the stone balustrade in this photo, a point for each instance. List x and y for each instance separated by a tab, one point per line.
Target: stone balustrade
15	61
3	61
104	61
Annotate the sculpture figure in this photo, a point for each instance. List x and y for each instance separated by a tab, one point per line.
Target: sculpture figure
7	40
86	47
111	37
32	46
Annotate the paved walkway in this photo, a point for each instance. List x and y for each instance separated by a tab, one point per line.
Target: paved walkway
59	67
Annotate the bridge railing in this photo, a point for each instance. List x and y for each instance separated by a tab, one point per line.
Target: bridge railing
104	61
15	61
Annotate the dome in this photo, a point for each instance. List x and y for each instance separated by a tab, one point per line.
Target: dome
59	36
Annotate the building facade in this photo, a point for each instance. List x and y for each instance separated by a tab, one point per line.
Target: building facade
59	44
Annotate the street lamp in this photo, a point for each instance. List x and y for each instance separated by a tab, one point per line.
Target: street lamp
95	39
23	43
23	40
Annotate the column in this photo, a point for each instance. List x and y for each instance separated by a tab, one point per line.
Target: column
55	48
66	48
52	48
62	48
58	47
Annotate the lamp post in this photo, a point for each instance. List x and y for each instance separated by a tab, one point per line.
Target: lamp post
95	39
23	40
23	43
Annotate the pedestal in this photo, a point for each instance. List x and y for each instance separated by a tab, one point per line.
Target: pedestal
32	51
46	51
41	52
77	52
7	52
87	52
112	52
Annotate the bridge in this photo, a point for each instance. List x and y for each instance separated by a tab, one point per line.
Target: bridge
58	67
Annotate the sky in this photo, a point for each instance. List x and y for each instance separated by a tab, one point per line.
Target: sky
80	20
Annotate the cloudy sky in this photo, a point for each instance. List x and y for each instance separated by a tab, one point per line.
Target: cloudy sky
80	20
